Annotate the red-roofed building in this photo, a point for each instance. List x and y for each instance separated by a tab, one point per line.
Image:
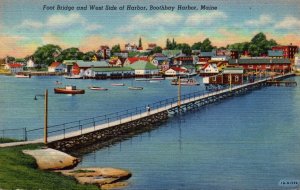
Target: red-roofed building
14	67
131	60
56	67
175	71
288	51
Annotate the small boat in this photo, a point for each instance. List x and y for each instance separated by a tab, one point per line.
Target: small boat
154	81
142	79
157	78
118	84
23	76
97	88
73	77
58	83
135	88
185	82
69	90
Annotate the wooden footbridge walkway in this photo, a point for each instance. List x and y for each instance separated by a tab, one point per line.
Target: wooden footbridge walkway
110	121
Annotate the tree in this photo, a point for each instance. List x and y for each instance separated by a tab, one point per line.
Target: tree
168	44
140	42
197	46
186	49
206	45
46	54
157	49
70	54
88	56
115	49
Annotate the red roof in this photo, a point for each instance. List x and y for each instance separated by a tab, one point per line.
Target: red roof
134	59
55	64
178	69
15	65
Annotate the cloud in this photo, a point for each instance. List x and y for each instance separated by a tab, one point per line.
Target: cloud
141	21
13	45
261	21
94	27
209	18
60	20
289	22
31	24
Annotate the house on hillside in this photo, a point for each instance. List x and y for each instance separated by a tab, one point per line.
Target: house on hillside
56	67
209	69
131	47
144	68
30	64
131	60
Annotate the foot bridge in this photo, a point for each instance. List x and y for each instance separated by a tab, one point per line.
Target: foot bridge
78	134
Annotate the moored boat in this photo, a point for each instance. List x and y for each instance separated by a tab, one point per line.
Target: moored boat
142	79
73	77
157	78
68	90
135	88
185	82
118	84
23	76
97	88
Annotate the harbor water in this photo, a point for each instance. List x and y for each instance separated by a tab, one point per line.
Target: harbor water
245	142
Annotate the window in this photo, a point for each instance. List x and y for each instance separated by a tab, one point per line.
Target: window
214	78
250	66
236	78
268	66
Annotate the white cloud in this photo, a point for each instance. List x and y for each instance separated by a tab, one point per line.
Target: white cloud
198	18
289	22
31	24
94	27
159	20
261	21
60	20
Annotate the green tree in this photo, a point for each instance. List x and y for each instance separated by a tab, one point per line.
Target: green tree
88	56
46	54
168	44
140	42
157	49
197	46
206	45
70	54
186	49
115	49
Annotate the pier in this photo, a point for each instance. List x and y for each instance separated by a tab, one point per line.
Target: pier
77	134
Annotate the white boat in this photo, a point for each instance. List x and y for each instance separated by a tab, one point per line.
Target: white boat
185	82
118	84
154	81
142	79
73	77
157	78
135	88
23	76
97	88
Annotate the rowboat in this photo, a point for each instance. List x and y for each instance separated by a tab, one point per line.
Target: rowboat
97	88
118	84
23	76
68	90
135	88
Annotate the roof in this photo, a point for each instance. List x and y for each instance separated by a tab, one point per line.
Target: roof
207	54
259	61
158	55
178	69
70	62
92	63
110	69
142	65
275	53
15	65
55	64
134	59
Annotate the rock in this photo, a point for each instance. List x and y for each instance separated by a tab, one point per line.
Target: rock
51	159
104	177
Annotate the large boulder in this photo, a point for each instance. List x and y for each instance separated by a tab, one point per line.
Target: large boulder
51	159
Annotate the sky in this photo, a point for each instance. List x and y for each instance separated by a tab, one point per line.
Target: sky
26	25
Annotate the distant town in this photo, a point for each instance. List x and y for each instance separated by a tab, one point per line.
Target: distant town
256	57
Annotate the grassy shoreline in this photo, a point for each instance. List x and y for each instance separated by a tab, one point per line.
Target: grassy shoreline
19	171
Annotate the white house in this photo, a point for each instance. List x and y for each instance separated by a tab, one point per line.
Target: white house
174	71
209	69
56	67
30	64
14	67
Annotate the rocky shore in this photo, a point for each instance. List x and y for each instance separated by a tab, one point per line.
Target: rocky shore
57	161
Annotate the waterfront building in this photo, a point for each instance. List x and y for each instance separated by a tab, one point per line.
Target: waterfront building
131	60
297	62
209	69
112	72
229	76
144	68
183	60
56	67
262	64
14	67
176	71
288	51
80	66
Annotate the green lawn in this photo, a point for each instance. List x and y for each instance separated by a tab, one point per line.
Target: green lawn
19	171
7	140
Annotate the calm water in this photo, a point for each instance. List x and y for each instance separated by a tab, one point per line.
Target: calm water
246	142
